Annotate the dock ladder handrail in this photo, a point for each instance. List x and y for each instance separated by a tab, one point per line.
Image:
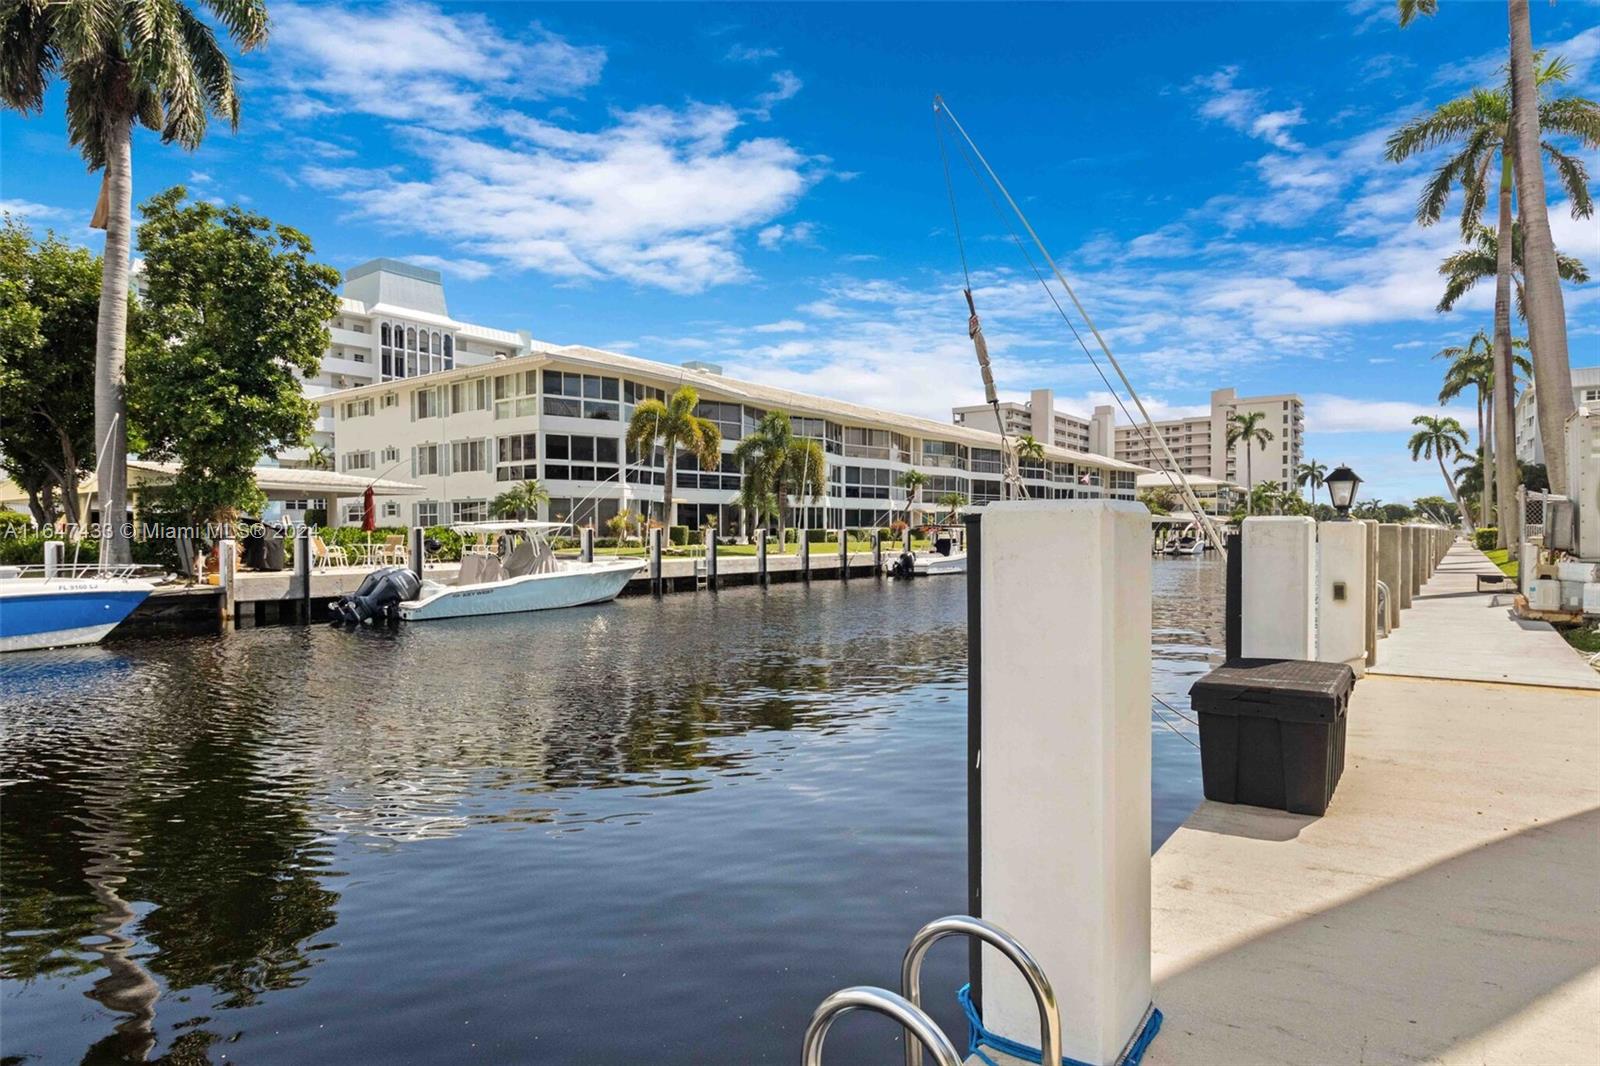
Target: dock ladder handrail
881	1001
1001	941
1383	609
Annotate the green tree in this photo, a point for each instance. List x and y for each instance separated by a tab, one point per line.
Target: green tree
1472	366
1160	500
319	457
1248	427
49	299
1439	508
1480	260
1030	449
1440	438
782	465
234	318
154	61
520	501
912	481
1310	473
953	501
674	425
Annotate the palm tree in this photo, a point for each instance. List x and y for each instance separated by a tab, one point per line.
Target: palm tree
954	501
155	61
1440	438
517	501
1030	449
1311	473
319	458
1247	427
782	465
1479	126
675	425
912	481
1472	366
1480	260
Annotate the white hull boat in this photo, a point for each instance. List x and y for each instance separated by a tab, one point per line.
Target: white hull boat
64	611
945	558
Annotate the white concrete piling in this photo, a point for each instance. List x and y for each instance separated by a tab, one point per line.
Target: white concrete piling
877	551
1279	587
1342	600
655	560
1419	561
1403	593
1371	527
54	551
1065	791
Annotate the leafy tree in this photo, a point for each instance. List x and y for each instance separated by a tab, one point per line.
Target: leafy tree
1440	438
155	61
521	500
49	299
1160	500
1248	427
319	457
781	465
912	481
234	317
1473	366
1310	473
674	425
954	501
1439	508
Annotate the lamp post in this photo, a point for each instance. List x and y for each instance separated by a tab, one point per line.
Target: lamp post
1341	485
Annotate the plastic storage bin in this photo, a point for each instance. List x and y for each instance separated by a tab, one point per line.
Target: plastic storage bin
1272	732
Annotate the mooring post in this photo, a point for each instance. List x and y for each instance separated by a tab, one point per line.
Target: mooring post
1417	563
53	553
908	536
844	554
1341	594
586	544
1371	539
302	571
761	557
974	747
228	576
1390	560
417	550
655	560
805	555
877	552
1065	857
1278	588
711	559
1232	601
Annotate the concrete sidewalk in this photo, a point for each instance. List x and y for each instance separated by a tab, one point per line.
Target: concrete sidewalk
1447	906
1455	633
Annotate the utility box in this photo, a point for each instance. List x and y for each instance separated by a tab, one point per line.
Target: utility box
1272	732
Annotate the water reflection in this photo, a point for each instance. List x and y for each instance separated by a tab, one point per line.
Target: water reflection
186	821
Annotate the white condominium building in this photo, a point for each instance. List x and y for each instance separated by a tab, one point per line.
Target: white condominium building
560	414
1585	393
1037	418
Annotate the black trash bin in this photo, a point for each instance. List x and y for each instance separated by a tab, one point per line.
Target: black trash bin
1272	732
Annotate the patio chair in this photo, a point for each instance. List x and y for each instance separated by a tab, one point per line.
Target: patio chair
393	550
324	556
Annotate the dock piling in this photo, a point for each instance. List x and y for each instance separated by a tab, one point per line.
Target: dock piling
805	555
302	572
1278	588
1370	525
877	552
1341	594
586	544
655	561
761	557
417	550
844	554
1389	563
228	577
711	559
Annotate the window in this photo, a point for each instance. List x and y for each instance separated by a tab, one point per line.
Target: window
449	352
1591	395
468	456
391	509
726	475
353	513
574	457
411	352
943	453
633	394
425	513
866	443
425	403
357	408
389	399
725	415
829	434
356	461
391	454
426	460
582	396
515	457
469	511
515	395
867	483
469	395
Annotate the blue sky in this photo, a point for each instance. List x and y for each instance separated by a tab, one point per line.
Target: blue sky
760	186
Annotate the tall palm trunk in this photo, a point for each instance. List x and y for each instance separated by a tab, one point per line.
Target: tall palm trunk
1505	458
669	507
1461	503
1547	317
111	348
1249	482
1486	498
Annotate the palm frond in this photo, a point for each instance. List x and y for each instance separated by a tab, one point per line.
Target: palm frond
1574	178
1574	116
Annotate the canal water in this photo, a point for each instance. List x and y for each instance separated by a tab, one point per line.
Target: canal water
645	832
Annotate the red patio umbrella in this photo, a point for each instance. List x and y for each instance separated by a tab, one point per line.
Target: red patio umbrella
369	511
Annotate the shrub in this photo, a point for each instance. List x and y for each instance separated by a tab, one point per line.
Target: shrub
27	549
316	516
14	521
817	536
1484	538
679	536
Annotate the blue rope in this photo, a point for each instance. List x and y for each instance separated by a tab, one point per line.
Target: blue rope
978	1037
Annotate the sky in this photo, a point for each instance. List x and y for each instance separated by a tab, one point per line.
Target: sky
761	187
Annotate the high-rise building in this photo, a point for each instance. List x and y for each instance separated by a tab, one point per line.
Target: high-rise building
1037	418
1585	393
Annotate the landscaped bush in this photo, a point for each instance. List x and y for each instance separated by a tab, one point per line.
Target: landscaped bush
14	521
679	536
1484	538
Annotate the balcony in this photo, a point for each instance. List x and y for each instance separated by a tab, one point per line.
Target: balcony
350	338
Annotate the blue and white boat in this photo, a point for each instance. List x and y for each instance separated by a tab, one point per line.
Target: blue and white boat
74	605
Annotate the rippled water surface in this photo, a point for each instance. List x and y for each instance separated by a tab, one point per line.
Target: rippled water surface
641	832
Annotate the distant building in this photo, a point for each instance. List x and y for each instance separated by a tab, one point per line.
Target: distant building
1216	498
1037	418
1585	393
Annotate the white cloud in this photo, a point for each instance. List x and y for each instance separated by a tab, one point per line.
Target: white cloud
466	269
776	235
37	214
1328	413
415	62
1244	109
787	325
742	53
785	86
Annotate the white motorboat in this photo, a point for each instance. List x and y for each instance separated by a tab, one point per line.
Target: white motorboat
945	557
521	573
73	605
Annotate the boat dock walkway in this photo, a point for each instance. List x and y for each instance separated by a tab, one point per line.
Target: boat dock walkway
1446	908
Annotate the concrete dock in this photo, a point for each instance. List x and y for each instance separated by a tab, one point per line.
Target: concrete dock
1446	908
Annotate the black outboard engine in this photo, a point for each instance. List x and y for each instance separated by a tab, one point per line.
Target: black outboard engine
905	566
378	598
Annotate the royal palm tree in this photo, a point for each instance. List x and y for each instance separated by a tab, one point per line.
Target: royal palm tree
912	481
1479	261
519	500
1248	427
156	62
954	501
674	425
1472	366
1030	449
319	457
1310	473
1479	128
783	464
1440	438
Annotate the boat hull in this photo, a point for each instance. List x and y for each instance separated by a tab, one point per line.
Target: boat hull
575	585
60	614
936	565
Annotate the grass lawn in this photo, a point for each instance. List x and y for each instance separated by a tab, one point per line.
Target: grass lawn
1501	557
1584	638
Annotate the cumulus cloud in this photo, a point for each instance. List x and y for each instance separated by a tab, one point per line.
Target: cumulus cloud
1245	110
776	235
466	269
787	325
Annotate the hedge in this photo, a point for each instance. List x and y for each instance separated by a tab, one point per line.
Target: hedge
679	536
1484	538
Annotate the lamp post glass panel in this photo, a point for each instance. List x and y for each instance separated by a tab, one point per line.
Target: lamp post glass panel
1341	485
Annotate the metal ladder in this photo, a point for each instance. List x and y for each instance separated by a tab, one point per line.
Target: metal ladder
906	1006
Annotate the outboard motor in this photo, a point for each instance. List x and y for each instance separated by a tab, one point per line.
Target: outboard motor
905	566
378	597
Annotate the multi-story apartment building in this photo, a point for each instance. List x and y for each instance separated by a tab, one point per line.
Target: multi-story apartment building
1037	417
1585	393
560	414
1199	444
